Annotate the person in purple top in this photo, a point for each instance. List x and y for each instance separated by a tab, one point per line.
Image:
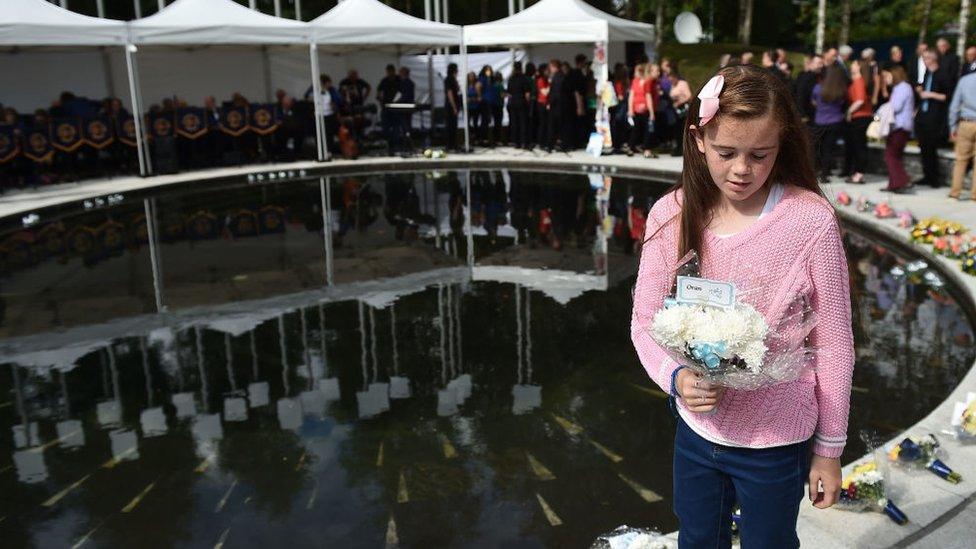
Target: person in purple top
903	111
828	102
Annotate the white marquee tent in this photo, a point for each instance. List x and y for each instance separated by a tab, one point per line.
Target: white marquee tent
371	25
39	23
557	22
207	22
215	22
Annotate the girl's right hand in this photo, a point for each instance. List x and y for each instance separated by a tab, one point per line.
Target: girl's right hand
698	395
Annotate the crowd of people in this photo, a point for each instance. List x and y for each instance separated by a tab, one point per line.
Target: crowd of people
841	96
550	106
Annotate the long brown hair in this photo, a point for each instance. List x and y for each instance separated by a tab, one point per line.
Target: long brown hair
834	86
749	92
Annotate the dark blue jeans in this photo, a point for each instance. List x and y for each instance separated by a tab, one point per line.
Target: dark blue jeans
710	478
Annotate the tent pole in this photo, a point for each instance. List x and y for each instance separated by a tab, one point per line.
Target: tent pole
313	56
267	74
136	113
431	95
298	10
64	4
100	8
447	12
253	4
137	6
464	95
427	10
161	4
277	8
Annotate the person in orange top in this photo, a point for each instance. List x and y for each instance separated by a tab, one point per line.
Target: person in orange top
640	108
859	116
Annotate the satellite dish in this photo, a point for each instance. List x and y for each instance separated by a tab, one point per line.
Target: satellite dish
687	28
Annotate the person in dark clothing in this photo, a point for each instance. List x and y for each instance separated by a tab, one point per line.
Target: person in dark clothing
970	63
576	109
930	120
541	105
948	59
491	107
803	87
407	95
519	93
387	92
452	106
916	68
557	105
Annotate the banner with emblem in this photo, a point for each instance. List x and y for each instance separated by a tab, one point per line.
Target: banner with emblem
272	219
233	120
66	134
37	143
265	118
98	132
161	125
125	128
9	144
191	122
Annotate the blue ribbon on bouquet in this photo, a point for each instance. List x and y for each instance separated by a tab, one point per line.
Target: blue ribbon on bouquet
894	513
709	353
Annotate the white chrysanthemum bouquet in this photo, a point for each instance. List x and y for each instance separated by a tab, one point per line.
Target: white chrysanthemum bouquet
703	326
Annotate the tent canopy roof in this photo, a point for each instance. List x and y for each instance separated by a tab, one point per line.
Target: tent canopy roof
215	22
40	23
557	22
372	23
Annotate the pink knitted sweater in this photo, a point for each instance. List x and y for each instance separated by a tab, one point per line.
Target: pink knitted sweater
794	250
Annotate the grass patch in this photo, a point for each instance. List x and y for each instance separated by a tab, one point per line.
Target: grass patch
698	62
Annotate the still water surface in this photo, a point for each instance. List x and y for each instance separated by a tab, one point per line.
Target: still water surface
440	399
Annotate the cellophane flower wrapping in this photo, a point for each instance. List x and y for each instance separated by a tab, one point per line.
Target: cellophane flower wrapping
963	424
867	487
735	346
919	453
626	537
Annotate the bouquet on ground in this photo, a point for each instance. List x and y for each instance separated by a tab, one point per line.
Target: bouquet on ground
865	490
626	537
964	419
922	452
931	228
706	326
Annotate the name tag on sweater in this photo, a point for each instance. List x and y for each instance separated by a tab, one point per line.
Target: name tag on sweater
701	291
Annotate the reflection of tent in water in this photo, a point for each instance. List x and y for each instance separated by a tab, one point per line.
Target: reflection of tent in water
374	399
399	386
28	457
235	405
124	443
152	419
289	409
458	389
257	391
70	432
526	396
206	426
312	399
561	286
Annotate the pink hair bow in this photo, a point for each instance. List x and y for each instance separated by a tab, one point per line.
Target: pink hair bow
708	99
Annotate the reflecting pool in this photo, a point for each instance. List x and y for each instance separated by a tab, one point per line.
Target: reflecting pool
467	379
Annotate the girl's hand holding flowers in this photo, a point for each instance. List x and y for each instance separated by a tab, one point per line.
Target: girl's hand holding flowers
699	395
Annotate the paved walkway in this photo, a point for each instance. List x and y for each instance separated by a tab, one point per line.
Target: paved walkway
942	515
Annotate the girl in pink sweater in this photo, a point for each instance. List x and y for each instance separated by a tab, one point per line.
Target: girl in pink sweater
748	202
